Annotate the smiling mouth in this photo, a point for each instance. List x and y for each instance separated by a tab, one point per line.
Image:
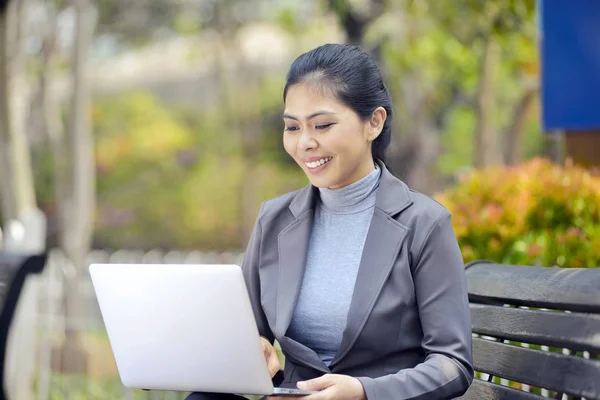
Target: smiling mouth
318	163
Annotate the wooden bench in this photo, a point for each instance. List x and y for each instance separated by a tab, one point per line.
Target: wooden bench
554	307
13	272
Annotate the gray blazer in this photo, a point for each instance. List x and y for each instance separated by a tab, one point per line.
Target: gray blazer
408	333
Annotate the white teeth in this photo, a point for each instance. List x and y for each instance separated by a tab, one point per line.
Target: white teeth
318	163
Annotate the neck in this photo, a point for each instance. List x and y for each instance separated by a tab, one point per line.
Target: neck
359	173
352	198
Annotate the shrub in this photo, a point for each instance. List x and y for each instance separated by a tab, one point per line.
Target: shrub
537	213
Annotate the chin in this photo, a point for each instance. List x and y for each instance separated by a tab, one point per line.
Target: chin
323	183
326	179
319	183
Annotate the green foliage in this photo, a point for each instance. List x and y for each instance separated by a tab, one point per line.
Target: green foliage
433	60
534	214
175	179
136	23
134	127
286	18
457	142
474	19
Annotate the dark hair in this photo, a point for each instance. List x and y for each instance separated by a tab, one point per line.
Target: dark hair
353	77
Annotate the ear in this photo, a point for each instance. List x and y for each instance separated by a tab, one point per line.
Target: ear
375	123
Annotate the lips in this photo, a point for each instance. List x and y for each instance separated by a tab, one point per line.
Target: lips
316	163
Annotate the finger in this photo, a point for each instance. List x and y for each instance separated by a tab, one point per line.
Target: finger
325	394
266	349
271	357
273	364
320	383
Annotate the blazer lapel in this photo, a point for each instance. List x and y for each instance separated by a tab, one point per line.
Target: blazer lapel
383	242
380	251
293	245
302	354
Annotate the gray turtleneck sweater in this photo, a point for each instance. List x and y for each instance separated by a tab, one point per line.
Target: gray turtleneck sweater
342	219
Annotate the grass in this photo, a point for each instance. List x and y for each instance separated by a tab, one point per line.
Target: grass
82	387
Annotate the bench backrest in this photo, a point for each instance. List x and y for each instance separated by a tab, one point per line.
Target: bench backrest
13	272
558	308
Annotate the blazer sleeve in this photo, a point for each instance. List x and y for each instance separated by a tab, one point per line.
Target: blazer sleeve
442	300
250	266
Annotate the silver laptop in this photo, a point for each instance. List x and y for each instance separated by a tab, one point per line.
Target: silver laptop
183	328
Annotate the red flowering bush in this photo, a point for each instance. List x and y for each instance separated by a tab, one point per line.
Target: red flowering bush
537	213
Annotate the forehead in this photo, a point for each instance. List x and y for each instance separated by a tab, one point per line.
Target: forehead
305	98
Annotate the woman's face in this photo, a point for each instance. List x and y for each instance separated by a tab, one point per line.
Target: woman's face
327	138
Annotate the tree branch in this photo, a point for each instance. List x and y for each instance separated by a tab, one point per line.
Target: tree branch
353	22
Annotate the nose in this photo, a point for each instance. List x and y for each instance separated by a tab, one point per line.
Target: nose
307	140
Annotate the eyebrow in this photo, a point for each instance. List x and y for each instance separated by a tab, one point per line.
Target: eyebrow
311	116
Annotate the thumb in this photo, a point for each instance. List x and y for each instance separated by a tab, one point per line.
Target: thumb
320	383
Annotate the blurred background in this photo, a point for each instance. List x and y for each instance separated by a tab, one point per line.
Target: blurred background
150	130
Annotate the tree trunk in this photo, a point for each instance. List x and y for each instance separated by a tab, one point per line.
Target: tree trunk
486	150
9	208
18	193
54	131
420	166
18	196
514	138
79	208
422	176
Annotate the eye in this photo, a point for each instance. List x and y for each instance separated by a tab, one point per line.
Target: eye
291	128
323	126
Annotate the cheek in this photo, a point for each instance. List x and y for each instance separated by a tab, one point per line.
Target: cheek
350	142
289	144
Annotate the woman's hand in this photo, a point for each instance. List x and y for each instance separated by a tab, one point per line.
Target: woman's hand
270	356
332	387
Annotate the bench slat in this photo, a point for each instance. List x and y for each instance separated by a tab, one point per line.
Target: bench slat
574	289
574	331
573	375
482	390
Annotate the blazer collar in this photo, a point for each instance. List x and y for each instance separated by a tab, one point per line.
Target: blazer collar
393	196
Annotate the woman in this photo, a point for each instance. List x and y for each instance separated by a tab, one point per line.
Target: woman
358	278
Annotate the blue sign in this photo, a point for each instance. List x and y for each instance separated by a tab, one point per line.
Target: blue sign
570	52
